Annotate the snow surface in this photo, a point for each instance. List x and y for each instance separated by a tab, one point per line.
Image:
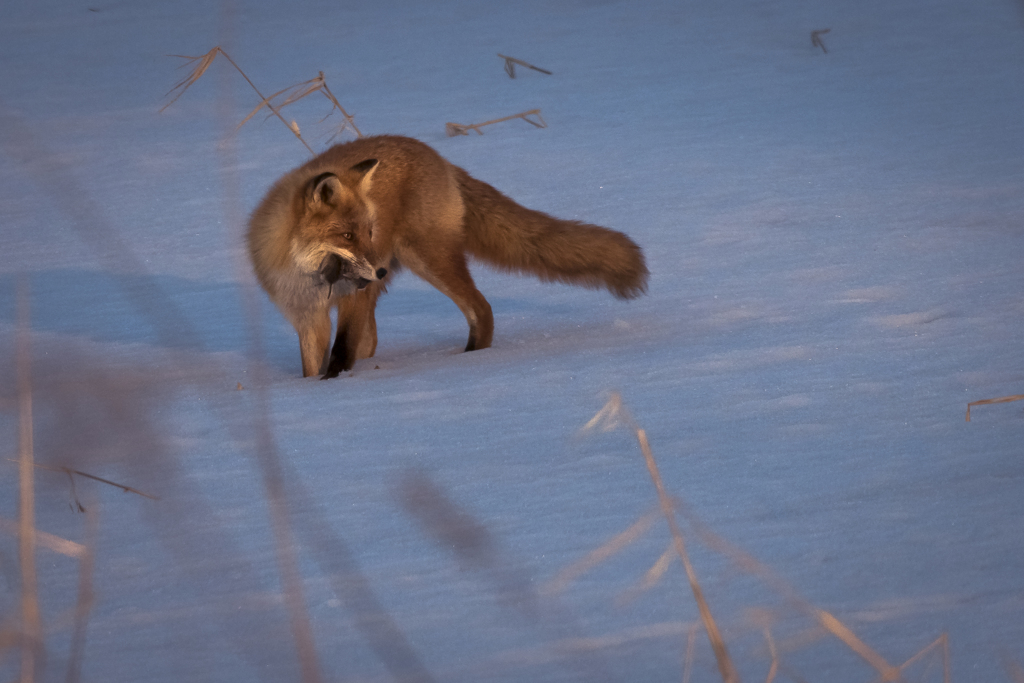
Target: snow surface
835	241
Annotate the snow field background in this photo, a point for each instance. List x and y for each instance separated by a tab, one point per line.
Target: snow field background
835	243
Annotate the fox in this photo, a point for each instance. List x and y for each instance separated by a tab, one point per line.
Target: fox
334	231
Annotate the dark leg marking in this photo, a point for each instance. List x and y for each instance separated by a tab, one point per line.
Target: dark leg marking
336	365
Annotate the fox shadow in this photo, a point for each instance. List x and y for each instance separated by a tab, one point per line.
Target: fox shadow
126	308
180	314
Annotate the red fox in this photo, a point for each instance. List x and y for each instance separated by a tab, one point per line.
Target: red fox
334	230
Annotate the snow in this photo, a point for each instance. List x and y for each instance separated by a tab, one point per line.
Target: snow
835	241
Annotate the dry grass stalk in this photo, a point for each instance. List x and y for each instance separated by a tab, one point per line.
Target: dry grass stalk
816	40
285	548
46	540
942	642
725	665
691	643
31	621
1014	670
203	65
803	639
987	401
824	619
650	578
612	547
773	670
86	596
453	129
613	414
266	455
510	66
70	472
294	94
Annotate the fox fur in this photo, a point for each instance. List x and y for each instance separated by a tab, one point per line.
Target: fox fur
332	232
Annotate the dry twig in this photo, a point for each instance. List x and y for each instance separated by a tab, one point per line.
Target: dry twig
1013	670
292	94
510	66
825	620
941	643
46	540
31	620
69	472
454	129
612	415
691	642
816	40
651	577
774	669
987	401
86	597
298	91
596	557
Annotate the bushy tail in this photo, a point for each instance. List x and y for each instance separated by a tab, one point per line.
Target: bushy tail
518	239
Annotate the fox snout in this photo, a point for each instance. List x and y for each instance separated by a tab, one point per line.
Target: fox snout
334	268
362	281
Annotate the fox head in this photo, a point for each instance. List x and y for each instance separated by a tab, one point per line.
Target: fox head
333	238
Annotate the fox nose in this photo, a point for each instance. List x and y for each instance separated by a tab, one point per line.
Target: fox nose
381	272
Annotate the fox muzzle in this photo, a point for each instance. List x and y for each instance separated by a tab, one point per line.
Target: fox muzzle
334	268
362	282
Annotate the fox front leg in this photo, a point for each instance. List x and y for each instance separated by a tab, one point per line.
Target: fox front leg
357	330
314	340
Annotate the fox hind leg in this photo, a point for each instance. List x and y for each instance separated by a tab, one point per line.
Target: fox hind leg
448	272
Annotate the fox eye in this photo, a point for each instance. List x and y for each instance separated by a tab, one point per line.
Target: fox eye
347	235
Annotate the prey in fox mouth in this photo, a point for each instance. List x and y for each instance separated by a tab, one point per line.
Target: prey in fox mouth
334	268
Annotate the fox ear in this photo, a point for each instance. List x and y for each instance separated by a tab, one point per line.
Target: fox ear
365	169
326	188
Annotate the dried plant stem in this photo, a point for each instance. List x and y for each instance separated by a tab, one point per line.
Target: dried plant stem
69	472
942	642
651	577
267	455
725	665
596	557
295	93
287	560
45	540
816	40
453	129
31	621
825	620
86	565
354	589
987	401
204	64
774	669
691	642
334	100
510	66
612	414
1013	670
